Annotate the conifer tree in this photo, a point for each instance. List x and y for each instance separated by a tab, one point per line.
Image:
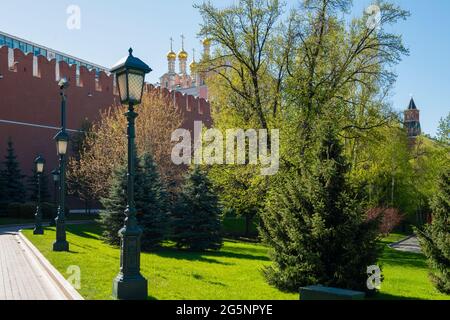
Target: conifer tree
32	184
196	218
112	216
3	199
435	238
12	175
316	226
152	203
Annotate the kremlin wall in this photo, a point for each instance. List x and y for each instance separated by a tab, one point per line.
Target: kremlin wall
30	103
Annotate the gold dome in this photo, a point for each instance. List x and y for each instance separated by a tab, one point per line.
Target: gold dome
206	42
171	55
193	65
183	55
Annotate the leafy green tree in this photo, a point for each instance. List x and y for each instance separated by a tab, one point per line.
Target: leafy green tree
316	227
196	220
444	130
79	184
435	237
13	177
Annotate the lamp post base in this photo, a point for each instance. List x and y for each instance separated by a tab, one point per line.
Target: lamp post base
38	231
61	246
130	288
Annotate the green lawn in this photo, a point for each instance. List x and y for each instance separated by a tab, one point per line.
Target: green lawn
406	275
232	273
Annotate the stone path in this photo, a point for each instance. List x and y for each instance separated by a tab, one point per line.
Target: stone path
410	244
25	274
21	276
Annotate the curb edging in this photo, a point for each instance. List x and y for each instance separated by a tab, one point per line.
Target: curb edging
66	288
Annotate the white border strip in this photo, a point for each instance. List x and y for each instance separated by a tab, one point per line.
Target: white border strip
58	279
35	125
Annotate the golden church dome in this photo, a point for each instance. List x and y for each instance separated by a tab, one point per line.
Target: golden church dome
171	55
182	54
206	42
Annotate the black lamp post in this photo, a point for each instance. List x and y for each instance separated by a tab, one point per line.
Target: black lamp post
129	283
62	141
55	175
39	162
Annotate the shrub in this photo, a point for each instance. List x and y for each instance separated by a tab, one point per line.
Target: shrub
28	210
390	218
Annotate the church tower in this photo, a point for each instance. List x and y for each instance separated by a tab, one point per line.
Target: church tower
182	57
169	79
412	120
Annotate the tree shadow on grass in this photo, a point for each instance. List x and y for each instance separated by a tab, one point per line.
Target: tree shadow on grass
236	255
85	231
173	253
202	278
208	256
404	259
93	231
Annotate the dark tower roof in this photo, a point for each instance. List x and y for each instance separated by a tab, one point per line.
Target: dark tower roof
412	105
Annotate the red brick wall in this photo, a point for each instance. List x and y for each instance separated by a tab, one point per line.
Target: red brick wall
35	100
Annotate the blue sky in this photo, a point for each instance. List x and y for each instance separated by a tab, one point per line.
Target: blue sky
109	28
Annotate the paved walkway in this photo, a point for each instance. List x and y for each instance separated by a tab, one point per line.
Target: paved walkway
410	244
22	277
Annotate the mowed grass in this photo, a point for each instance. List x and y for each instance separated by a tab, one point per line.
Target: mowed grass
405	275
232	273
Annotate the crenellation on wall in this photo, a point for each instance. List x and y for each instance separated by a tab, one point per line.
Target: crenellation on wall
50	71
15	60
22	63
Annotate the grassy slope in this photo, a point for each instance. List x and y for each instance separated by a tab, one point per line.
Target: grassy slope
232	273
406	275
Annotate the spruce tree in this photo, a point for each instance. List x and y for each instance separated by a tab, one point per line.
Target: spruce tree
196	220
112	216
435	238
316	226
32	186
152	204
12	175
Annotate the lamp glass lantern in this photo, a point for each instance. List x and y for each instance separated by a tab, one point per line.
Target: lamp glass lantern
130	74
40	162
62	140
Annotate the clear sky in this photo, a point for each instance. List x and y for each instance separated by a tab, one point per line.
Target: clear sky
109	28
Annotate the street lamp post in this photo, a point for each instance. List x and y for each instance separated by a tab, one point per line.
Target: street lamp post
55	175
130	284
62	140
39	162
